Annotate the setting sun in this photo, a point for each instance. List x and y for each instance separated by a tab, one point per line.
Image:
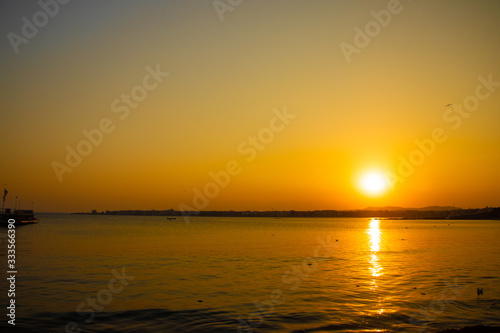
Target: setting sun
373	183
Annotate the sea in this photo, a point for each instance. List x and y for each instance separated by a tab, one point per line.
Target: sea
104	273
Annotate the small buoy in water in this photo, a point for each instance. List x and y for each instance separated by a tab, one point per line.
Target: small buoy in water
479	291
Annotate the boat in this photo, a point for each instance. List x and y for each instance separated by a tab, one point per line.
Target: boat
17	216
20	217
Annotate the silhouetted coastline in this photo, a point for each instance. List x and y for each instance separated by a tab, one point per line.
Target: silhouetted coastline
487	213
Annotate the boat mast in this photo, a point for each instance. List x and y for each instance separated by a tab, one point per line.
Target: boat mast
3	200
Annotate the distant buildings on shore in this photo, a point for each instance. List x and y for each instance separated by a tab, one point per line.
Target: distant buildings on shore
457	214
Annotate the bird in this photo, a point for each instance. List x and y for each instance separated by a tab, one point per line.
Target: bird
479	291
448	105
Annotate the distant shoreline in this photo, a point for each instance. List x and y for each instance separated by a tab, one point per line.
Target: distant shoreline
487	213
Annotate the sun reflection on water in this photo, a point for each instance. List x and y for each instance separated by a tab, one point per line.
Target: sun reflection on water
374	234
374	239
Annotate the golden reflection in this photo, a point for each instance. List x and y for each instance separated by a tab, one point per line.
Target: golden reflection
374	240
374	235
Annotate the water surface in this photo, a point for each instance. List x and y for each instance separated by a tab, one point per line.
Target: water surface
220	274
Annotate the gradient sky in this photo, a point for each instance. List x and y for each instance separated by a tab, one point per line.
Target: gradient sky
225	79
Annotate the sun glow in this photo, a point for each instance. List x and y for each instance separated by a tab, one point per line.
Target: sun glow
373	183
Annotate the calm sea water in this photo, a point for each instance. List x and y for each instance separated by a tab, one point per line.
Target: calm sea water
148	274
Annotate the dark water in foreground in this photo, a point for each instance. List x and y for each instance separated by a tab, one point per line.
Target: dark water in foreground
147	274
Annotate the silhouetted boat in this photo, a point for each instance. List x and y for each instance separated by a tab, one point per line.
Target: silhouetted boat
20	217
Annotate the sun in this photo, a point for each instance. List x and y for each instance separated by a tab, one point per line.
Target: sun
373	183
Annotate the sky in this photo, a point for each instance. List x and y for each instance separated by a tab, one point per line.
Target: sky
249	105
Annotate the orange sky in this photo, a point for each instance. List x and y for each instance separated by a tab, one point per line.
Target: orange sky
289	93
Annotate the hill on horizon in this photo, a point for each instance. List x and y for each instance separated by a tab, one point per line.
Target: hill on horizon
428	208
